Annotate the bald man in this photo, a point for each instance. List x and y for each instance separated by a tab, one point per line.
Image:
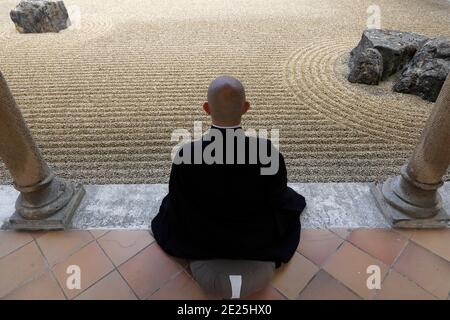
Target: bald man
234	219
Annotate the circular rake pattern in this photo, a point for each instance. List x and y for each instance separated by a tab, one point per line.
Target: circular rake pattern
316	75
91	26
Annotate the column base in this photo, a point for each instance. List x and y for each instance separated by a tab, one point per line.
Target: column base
398	219
60	220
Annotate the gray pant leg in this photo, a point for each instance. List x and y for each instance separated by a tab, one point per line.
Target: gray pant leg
248	276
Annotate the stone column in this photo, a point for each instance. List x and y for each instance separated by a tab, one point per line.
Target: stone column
412	200
45	202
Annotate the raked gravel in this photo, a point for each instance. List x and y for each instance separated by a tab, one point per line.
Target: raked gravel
103	99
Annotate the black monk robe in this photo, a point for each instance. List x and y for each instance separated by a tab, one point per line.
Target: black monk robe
229	211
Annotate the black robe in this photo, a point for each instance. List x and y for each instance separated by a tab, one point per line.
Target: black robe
229	211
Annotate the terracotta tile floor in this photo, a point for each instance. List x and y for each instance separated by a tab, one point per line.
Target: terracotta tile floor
125	264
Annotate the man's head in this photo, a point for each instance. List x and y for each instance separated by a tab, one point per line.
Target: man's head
226	101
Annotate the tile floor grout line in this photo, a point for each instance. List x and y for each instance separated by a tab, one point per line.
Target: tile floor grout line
411	280
101	235
404	275
378	260
196	283
57	282
400	253
377	292
71	254
27	281
339	236
315	274
50	268
150	244
18	248
343	284
116	268
398	231
429	250
165	283
309	260
120	245
326	260
64	259
281	293
366	252
391	268
333	254
84	290
369	254
307	284
329	258
134	255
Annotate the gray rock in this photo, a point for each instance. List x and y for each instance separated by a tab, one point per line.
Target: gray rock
38	16
396	48
366	67
425	74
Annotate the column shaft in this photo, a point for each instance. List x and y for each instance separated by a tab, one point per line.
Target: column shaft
17	148
45	202
412	200
431	158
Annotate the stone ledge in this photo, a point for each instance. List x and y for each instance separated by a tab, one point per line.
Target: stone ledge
329	205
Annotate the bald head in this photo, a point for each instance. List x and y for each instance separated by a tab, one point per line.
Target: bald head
226	101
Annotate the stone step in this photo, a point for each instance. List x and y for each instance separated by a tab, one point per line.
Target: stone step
133	206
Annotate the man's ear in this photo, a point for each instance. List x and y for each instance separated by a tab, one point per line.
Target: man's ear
246	107
206	107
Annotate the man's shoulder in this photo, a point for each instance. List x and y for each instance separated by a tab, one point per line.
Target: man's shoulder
208	137
253	143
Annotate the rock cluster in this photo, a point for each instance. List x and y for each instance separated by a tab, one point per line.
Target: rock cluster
424	63
38	16
425	74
